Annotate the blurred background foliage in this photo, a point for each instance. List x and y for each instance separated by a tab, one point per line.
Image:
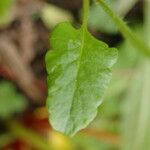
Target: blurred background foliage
123	118
11	101
5	11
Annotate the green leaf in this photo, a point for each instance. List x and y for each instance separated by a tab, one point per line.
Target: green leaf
78	74
10	101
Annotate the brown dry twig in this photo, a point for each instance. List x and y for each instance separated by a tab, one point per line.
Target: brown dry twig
23	12
22	73
28	38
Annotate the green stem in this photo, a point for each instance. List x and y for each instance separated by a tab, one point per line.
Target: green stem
125	30
85	13
28	135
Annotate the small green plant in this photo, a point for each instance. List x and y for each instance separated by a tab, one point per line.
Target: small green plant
79	70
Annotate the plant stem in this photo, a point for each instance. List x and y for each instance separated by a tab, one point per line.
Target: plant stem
85	13
34	139
125	30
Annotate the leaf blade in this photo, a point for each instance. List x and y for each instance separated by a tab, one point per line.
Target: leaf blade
78	77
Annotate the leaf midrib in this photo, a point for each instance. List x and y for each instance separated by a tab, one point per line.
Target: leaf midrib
83	29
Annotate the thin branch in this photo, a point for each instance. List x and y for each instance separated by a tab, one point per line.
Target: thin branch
28	38
20	70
